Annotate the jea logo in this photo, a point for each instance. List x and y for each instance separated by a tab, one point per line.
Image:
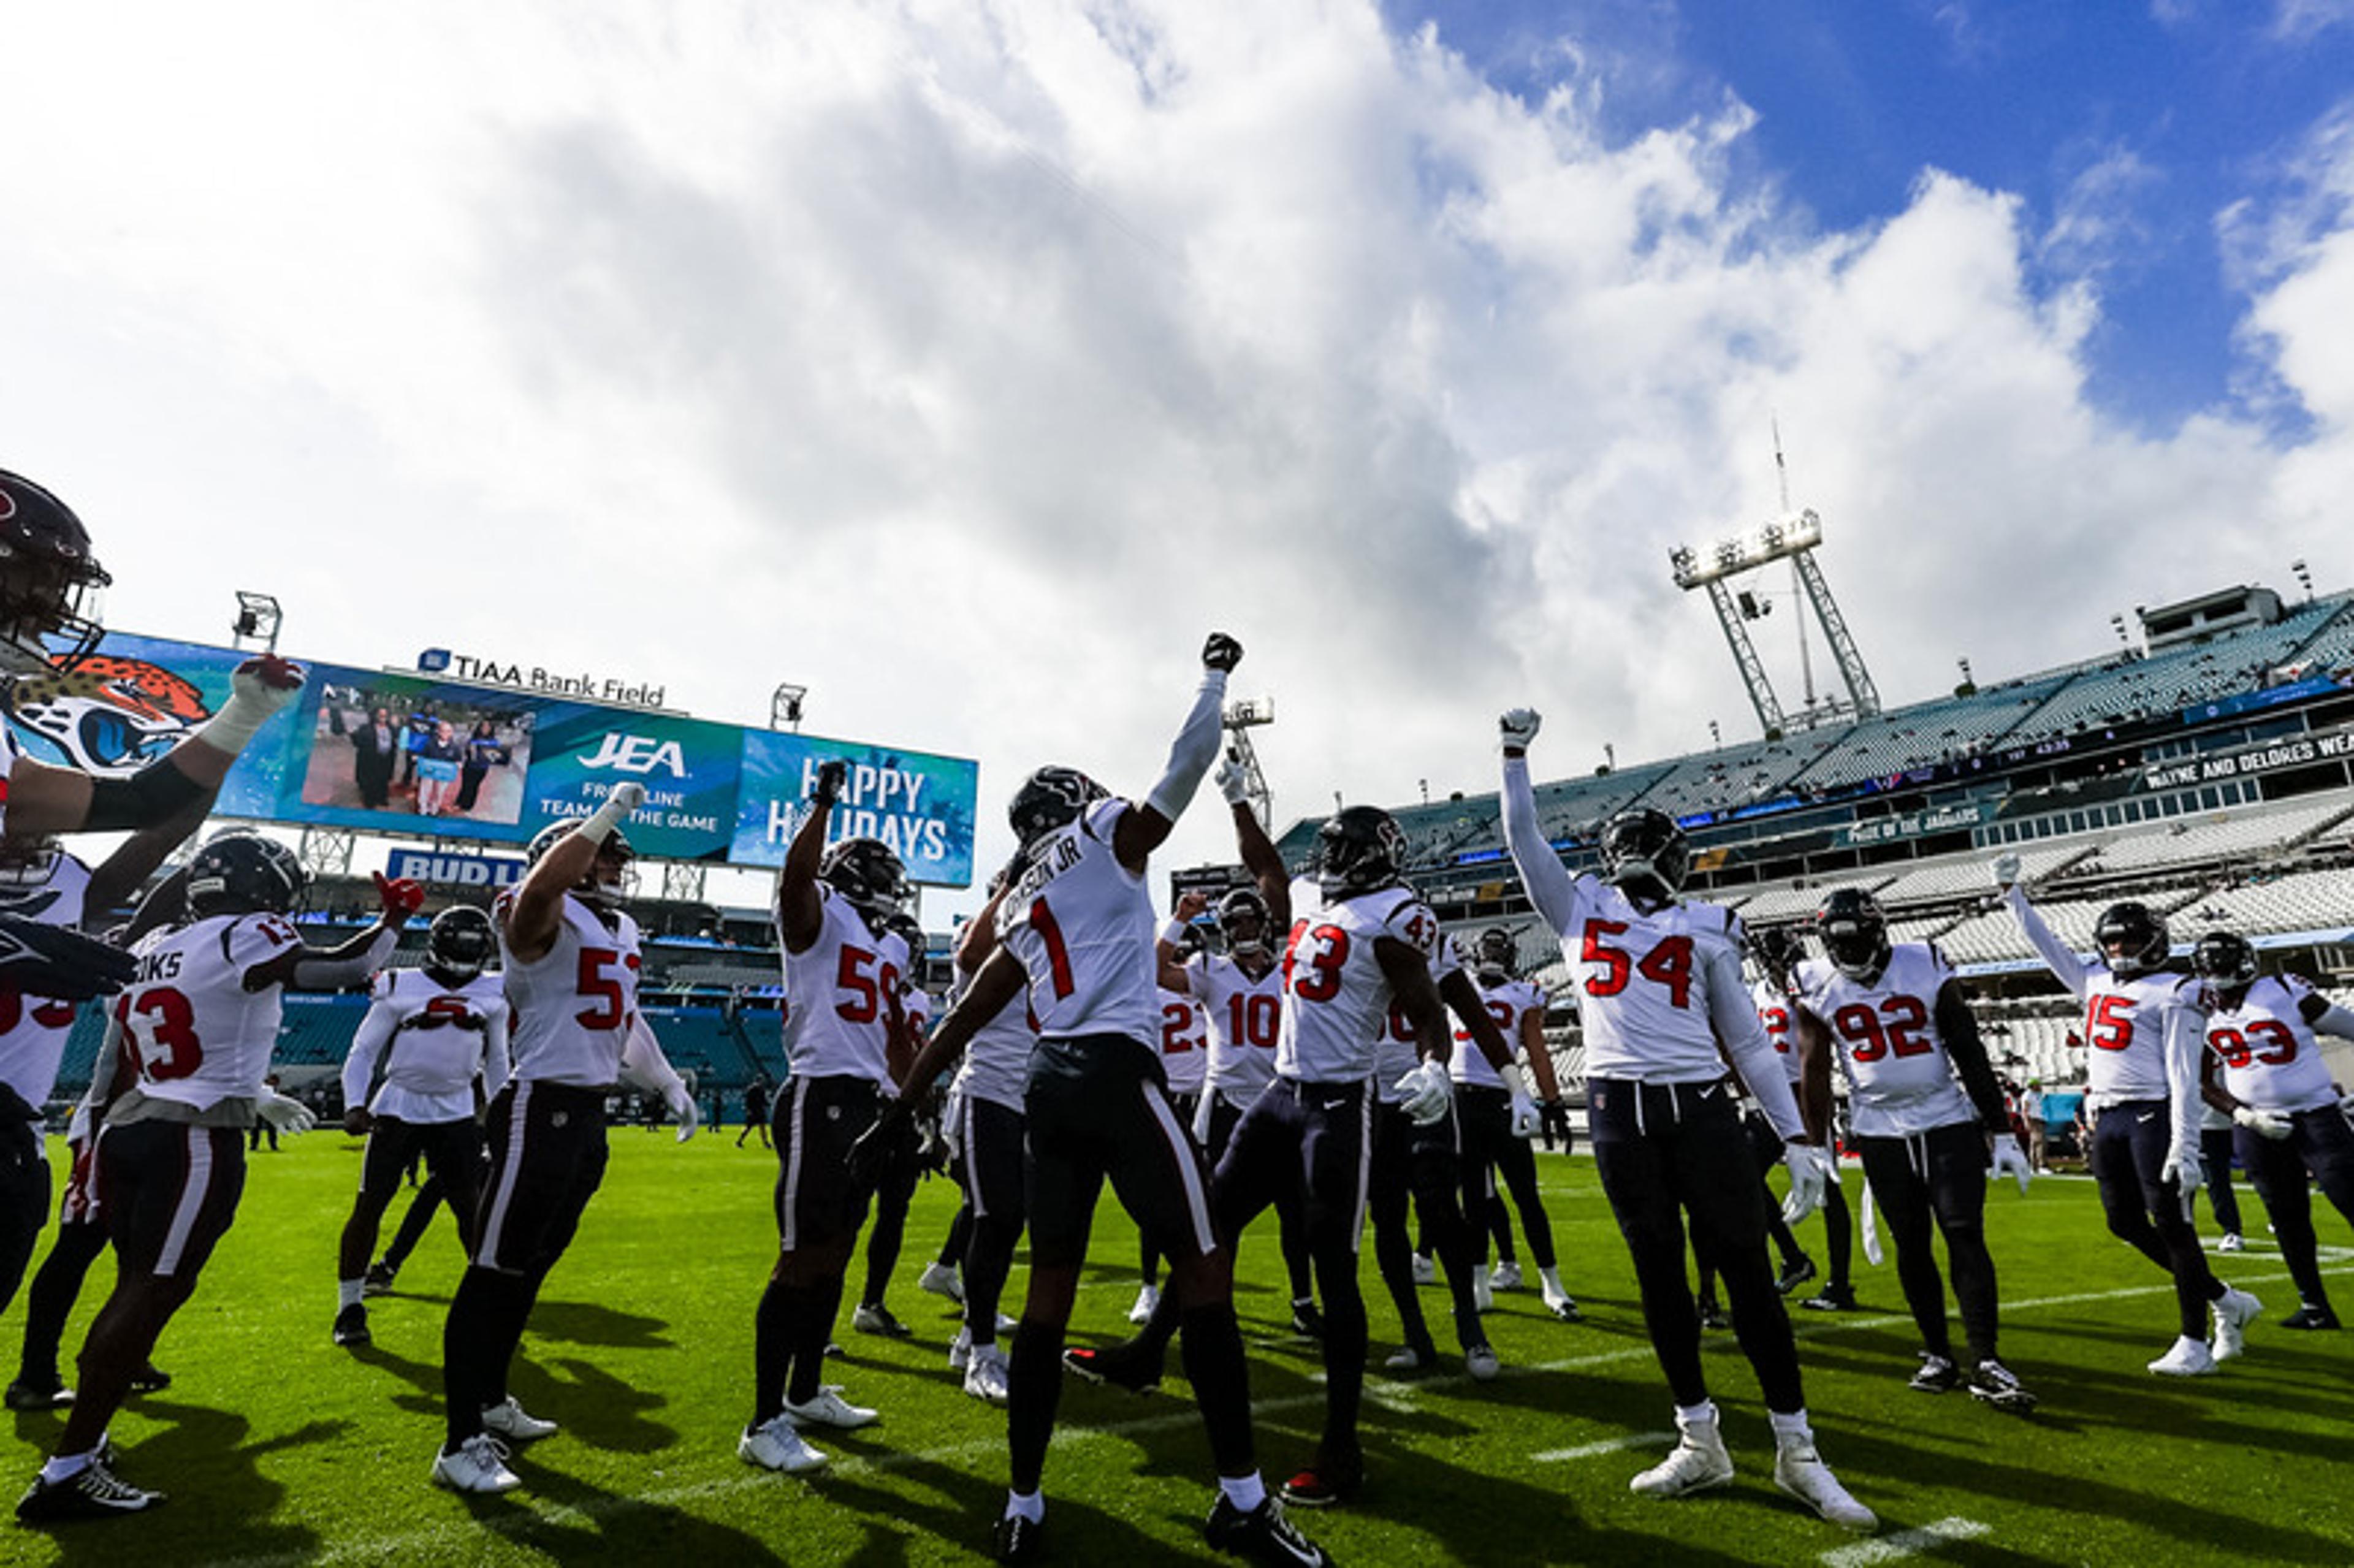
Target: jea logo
637	754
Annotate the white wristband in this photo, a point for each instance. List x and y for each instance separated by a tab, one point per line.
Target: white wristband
1172	931
600	822
239	718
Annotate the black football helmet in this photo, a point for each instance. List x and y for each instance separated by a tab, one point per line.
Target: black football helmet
243	872
910	930
2132	937
1360	850
1778	949
1049	799
28	863
48	577
1245	921
2225	958
600	891
867	873
1854	933
1496	958
1643	852
460	943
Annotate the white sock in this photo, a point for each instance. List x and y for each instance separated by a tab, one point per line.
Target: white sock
1553	1280
1691	1416
1790	1429
1245	1492
65	1467
1025	1505
348	1293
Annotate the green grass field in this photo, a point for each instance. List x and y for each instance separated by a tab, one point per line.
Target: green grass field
277	1448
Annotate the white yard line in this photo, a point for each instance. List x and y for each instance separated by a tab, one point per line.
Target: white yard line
1895	1548
1596	1450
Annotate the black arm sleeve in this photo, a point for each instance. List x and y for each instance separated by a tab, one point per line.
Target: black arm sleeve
153	794
1959	1031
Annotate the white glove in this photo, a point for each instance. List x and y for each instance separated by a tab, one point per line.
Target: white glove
2009	1159
1204	1109
78	1125
1428	1092
2263	1123
1810	1175
1526	1121
287	1116
624	798
1519	727
2184	1168
682	1106
259	688
1867	1226
2005	867
1232	780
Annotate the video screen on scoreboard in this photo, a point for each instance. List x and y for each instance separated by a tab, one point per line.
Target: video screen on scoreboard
421	748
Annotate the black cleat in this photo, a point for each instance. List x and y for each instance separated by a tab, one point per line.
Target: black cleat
377	1280
1306	1320
1795	1273
1019	1540
351	1327
1121	1365
1832	1297
1263	1535
2303	1318
873	1318
1937	1374
91	1493
1712	1315
39	1393
1996	1385
1322	1483
150	1379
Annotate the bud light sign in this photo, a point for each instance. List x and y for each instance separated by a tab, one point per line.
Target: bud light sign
489	872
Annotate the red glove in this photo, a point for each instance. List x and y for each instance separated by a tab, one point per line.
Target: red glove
401	897
277	673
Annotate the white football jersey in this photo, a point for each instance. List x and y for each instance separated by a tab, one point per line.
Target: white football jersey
193	1032
1654	987
1335	995
1184	1042
570	1008
1081	924
33	1028
1508	1004
2270	1058
2125	1021
1397	1053
840	995
996	1066
1773	1014
433	1042
1900	1081
1244	1018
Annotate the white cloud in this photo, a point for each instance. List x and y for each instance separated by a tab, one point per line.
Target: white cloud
968	362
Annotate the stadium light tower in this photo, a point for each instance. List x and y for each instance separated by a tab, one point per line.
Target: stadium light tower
1241	717
785	707
1792	537
255	625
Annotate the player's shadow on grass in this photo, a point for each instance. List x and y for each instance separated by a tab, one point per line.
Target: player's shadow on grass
958	1507
214	1485
592	1406
590	1524
592	1323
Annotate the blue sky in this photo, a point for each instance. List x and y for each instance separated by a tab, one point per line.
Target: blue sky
2152	116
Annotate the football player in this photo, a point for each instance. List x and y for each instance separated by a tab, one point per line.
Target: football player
1778	952
1492	1146
2263	1069
1664	1008
1184	1063
569	953
896	1191
1893	1015
1074	929
195	1030
47	571
846	1037
2146	1024
434	1033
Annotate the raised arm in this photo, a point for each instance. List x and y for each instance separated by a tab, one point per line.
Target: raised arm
1257	850
800	911
1146	828
532	915
1549	885
2058	957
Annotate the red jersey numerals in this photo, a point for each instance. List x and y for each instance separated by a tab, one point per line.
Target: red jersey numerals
2109	1022
49	1014
1503	1012
1893	1029
1669	963
1323	952
1058	957
1776	1021
602	971
279	933
1177	1036
2237	1048
864	983
1254	1020
160	1024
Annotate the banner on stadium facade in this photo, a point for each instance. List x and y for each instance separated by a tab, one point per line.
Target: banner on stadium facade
921	805
2248	761
1911	825
438	870
396	753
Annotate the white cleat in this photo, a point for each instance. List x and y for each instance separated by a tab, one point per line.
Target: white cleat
1800	1471
1407	1360
1559	1303
960	1351
2231	1242
1006	1325
2189	1358
1147	1300
1480	1362
942	1279
1697	1463
1505	1277
985	1379
2233	1312
1426	1270
830	1409
774	1446
1483	1300
509	1420
479	1465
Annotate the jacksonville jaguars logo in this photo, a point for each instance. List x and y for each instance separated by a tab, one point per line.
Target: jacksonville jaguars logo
108	715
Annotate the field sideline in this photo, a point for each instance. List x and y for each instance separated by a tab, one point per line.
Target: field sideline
279	1448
